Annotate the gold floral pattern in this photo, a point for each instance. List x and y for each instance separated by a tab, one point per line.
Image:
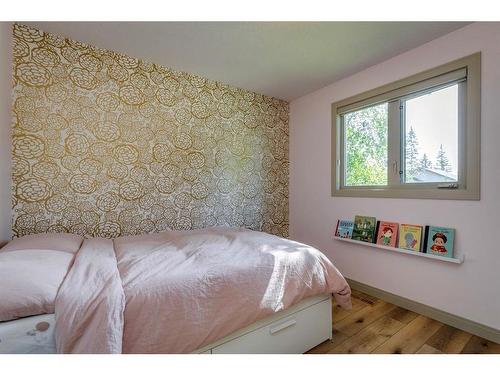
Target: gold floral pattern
106	145
32	74
33	190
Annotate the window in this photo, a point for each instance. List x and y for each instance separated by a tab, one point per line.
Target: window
415	138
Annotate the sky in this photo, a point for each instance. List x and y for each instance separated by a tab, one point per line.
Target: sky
434	118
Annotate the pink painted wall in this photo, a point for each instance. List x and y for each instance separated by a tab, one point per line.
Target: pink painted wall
470	290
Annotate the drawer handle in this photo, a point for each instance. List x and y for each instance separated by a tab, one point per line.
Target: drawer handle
282	326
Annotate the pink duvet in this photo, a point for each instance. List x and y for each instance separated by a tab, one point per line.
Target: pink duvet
178	291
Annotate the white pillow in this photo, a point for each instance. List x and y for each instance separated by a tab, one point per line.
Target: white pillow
30	280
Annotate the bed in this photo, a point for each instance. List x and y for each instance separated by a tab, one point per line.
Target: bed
294	330
217	290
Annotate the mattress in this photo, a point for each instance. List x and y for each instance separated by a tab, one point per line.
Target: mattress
31	335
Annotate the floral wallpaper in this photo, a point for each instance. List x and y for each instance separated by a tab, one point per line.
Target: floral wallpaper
105	144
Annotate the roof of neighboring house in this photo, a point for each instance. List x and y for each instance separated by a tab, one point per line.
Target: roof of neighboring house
435	175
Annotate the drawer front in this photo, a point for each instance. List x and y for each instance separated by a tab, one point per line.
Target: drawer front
295	333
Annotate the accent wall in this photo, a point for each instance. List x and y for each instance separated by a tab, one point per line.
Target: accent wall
105	144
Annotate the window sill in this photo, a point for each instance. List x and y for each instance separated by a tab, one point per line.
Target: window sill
422	193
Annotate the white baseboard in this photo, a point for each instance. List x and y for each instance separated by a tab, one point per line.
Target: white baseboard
456	321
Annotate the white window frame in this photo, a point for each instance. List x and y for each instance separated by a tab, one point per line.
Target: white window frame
467	73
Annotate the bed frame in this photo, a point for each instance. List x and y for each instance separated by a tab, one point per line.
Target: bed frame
294	330
291	331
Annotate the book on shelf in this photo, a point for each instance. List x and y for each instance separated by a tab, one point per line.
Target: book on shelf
439	241
387	233
410	237
364	228
344	228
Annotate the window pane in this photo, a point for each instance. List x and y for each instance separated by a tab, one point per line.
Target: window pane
431	129
366	146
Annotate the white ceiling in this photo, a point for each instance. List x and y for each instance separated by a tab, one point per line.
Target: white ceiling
281	59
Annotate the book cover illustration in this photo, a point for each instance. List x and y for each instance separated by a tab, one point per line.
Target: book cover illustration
387	234
410	237
344	228
440	240
364	228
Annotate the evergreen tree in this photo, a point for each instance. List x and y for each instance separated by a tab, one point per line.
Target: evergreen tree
425	162
442	160
412	162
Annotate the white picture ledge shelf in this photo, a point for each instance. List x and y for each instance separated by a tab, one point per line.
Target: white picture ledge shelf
403	251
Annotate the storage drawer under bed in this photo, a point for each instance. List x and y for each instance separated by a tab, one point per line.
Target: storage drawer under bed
295	333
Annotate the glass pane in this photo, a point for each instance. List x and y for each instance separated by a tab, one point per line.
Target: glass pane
366	146
431	129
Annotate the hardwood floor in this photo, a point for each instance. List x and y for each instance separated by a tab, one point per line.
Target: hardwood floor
376	326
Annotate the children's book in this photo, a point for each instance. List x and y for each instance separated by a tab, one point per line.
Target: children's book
410	237
344	228
364	228
387	233
439	241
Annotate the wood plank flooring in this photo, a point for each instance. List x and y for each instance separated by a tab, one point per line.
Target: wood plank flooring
376	326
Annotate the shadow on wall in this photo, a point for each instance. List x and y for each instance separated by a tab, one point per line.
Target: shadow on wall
5	128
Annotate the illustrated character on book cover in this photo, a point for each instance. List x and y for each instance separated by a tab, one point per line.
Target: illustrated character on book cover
439	240
410	240
386	235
